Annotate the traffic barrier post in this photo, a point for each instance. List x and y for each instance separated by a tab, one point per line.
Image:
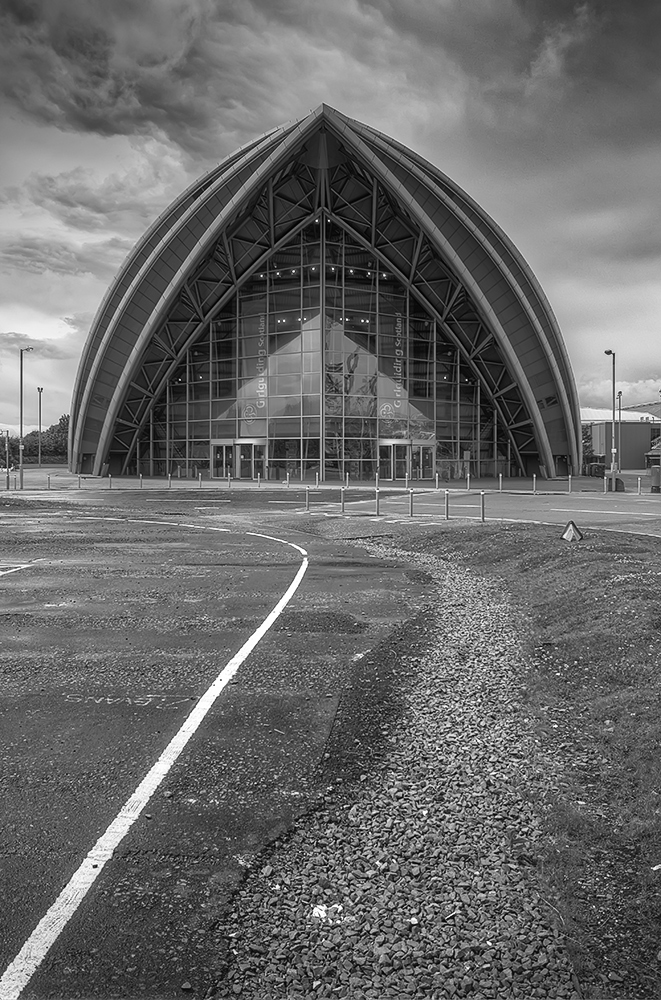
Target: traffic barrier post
109	482
437	480
342	499
468	480
199	475
534	483
569	482
638	485
410	503
376	497
307	497
482	506
500	482
447	505
169	480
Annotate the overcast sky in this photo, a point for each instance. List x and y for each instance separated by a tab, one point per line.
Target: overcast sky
548	112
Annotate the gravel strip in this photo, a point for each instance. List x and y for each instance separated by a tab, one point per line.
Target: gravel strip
421	878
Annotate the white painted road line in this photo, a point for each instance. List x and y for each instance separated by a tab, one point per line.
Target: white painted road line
590	510
15	569
20	971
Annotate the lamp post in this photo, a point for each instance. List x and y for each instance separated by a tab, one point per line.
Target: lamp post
619	431
613	447
22	351
40	389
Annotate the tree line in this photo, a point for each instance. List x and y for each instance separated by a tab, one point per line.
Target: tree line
54	444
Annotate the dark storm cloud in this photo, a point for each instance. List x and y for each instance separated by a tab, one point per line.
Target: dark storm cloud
11	341
125	201
38	255
569	72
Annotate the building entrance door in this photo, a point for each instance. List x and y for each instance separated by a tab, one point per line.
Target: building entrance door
394	459
222	459
422	460
399	459
251	459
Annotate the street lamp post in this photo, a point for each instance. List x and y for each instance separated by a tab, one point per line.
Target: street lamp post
22	350
40	389
613	445
619	431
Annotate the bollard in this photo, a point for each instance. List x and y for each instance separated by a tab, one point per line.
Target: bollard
14	482
178	472
229	481
342	498
287	480
376	497
259	480
376	481
447	505
569	482
78	482
605	484
109	482
437	480
140	480
500	482
199	476
410	503
468	480
307	497
482	506
346	481
534	483
48	478
316	480
406	481
169	480
638	485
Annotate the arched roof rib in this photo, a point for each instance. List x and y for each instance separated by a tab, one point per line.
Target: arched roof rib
193	258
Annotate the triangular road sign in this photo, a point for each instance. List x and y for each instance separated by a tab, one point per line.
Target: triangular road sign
572	533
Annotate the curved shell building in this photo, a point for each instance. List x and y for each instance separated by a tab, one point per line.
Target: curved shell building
325	302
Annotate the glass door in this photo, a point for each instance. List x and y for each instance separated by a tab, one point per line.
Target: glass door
394	459
422	461
251	459
222	464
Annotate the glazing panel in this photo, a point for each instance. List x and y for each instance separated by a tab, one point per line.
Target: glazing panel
253	426
285	385
355	427
252	336
334	427
198	390
311	427
311	300
334	447
284	364
334	405
198	411
222	409
311	337
285	427
393	427
198	429
312	361
285	343
334	297
284	299
359	300
225	368
284	406
360	406
285	322
223	388
359	448
334	381
223	428
311	383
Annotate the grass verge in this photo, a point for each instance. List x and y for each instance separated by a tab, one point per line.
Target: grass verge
593	612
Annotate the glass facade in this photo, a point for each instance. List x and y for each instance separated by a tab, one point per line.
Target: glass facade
323	364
